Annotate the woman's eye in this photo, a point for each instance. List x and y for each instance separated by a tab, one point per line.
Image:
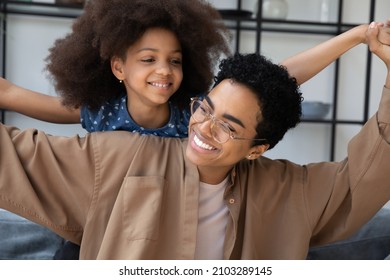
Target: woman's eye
203	110
229	127
232	130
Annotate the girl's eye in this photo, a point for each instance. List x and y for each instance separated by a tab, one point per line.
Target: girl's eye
147	60
176	61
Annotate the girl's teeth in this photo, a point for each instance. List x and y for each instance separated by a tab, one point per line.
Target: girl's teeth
160	85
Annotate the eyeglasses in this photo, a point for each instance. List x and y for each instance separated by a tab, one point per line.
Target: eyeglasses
220	130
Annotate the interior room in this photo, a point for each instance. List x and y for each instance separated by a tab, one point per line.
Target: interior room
277	29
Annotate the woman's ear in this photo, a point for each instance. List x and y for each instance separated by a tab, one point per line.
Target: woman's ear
117	68
256	151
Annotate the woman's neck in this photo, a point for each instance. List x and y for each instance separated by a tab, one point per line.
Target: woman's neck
213	176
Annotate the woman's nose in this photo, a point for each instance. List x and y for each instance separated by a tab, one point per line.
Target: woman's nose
206	127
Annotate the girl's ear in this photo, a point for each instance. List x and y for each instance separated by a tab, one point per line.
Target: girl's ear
257	151
117	68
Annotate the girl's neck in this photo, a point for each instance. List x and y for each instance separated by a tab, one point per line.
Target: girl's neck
150	117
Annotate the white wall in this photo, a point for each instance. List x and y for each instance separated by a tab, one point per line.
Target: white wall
28	40
29	37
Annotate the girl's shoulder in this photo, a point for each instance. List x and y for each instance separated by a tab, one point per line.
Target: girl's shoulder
107	117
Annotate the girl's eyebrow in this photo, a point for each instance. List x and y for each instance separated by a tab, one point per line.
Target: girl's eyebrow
226	116
156	50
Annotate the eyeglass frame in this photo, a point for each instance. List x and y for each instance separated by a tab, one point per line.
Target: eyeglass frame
215	120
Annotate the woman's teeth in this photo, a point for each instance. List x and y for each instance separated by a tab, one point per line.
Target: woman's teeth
202	145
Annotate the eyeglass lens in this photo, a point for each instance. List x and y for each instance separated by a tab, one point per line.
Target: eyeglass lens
200	112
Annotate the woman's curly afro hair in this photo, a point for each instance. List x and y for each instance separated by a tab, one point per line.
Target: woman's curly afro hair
278	94
79	63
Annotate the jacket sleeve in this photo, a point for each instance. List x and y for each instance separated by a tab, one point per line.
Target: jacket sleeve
49	180
342	196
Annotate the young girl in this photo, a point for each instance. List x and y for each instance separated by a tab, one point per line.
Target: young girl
126	59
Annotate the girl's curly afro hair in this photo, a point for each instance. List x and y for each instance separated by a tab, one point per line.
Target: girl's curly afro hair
278	94
79	63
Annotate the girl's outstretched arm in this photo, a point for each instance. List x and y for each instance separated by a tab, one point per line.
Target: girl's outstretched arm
35	105
305	65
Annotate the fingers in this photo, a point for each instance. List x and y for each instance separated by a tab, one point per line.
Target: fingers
375	45
372	37
384	33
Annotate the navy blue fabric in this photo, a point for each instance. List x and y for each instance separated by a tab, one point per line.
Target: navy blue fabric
115	116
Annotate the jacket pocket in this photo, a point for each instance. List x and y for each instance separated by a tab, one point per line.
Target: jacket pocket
143	197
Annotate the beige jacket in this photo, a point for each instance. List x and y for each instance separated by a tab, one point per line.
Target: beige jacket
125	196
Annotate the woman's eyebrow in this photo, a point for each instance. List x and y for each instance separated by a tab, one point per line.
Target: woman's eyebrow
226	116
211	104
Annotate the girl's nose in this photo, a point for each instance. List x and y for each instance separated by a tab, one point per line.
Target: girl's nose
164	69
